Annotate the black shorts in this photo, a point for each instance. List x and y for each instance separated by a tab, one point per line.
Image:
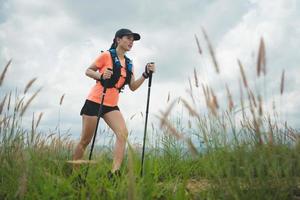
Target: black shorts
91	108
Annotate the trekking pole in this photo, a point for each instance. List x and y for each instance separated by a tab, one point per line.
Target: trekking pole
146	121
95	133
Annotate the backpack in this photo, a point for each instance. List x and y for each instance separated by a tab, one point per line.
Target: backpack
111	83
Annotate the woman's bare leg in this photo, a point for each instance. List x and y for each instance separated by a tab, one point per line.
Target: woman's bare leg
88	129
116	122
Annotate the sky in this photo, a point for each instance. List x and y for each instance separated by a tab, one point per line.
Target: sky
57	40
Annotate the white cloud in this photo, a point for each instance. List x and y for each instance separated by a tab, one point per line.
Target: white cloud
275	22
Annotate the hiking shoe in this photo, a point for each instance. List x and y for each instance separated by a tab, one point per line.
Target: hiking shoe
113	175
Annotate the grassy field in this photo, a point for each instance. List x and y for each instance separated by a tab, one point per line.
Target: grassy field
241	152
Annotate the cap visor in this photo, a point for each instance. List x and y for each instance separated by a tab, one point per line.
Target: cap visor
136	36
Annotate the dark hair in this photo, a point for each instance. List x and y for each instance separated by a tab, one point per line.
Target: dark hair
114	44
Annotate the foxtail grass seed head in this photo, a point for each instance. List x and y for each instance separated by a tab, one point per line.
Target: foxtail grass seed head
196	78
32	129
243	74
282	83
132	116
29	101
39	119
229	97
211	51
206	94
2	104
171	129
61	99
20	104
214	99
29	84
169	109
213	108
251	107
2	76
251	97
260	110
204	90
242	100
9	100
261	59
198	45
190	84
192	111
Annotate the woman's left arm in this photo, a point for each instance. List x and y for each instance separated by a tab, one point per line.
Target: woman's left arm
135	84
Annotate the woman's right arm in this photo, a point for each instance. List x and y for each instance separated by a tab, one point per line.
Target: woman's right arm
92	72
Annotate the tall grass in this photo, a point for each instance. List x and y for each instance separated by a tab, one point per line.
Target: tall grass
246	153
237	152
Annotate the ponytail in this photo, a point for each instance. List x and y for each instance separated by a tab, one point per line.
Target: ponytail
114	44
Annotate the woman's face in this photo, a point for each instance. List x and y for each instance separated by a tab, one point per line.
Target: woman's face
126	42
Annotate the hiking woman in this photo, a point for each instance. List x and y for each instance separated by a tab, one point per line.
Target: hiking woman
116	69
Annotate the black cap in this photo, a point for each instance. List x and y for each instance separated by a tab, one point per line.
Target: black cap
125	31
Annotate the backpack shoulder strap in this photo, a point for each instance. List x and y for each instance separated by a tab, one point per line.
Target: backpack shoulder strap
116	70
128	64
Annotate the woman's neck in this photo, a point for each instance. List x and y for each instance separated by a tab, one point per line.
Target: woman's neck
120	52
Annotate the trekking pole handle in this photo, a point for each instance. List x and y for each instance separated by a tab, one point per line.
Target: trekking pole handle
150	75
105	82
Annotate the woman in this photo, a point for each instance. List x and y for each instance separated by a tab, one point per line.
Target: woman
114	68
